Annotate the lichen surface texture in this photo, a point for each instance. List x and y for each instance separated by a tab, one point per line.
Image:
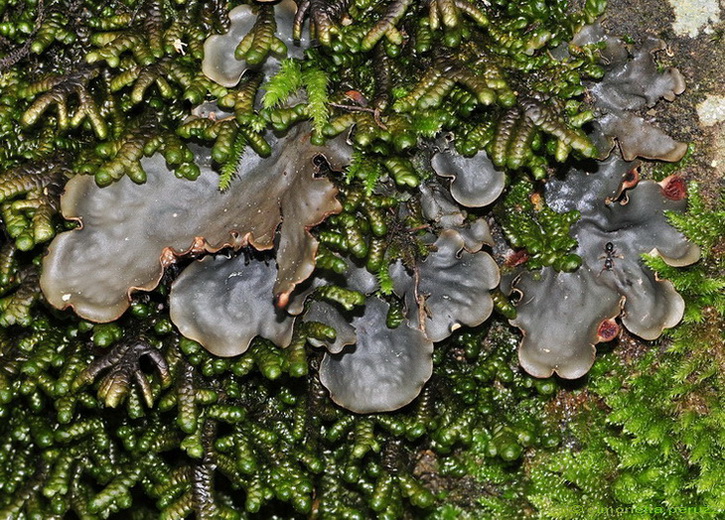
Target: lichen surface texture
359	259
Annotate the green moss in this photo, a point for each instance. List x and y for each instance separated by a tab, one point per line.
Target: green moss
129	419
645	434
539	235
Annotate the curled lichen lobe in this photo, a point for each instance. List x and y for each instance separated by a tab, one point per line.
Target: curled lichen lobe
674	188
607	330
621	219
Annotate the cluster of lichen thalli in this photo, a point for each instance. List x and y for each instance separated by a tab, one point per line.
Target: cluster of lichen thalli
91	87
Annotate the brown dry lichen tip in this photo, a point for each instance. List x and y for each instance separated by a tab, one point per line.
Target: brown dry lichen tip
131	232
560	314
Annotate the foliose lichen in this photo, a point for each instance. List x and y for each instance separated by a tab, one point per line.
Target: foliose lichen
445	126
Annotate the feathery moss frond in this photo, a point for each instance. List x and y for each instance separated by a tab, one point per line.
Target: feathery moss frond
316	85
283	84
230	168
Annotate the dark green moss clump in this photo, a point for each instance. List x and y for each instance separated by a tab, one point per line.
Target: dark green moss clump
234	437
539	235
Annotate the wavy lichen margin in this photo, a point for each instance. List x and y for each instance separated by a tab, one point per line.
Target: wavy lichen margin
95	268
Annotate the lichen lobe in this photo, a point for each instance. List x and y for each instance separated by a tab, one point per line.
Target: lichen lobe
220	63
129	229
632	82
451	288
384	370
560	314
224	303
